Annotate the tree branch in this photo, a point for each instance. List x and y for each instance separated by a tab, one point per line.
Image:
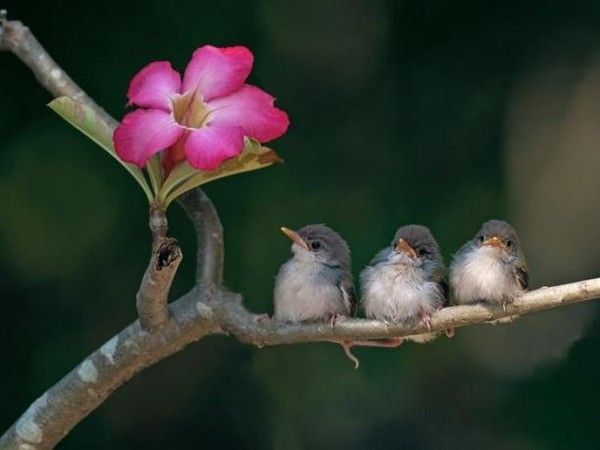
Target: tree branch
18	39
237	321
209	235
152	296
50	418
202	312
207	308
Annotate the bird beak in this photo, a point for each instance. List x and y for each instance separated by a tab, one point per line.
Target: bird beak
294	237
495	241
403	246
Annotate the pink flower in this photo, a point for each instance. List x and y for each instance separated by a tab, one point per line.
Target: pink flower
203	118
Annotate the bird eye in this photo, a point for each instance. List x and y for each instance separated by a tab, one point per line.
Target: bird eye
481	239
509	243
422	252
315	245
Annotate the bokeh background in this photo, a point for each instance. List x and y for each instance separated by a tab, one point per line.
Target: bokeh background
440	113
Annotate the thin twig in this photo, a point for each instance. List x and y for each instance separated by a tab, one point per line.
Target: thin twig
209	236
157	222
18	39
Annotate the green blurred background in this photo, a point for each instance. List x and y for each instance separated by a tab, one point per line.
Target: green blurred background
441	113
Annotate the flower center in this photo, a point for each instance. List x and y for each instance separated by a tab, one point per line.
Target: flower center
189	110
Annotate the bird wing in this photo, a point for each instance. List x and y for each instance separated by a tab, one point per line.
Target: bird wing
439	276
445	291
521	275
346	285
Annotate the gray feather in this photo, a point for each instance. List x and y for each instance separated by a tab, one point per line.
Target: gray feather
316	283
482	273
397	287
346	286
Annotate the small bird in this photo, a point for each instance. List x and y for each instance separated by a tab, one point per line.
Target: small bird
316	283
405	282
489	268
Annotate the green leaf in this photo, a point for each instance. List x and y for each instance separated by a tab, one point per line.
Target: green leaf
86	120
180	173
155	173
184	177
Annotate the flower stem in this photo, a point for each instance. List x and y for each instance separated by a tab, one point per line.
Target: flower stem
158	224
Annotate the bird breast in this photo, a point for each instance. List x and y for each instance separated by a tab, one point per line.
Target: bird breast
481	274
307	291
398	292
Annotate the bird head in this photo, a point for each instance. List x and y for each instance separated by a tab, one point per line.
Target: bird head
498	235
415	245
319	243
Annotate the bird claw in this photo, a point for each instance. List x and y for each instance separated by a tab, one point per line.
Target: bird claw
334	318
261	317
382	343
506	303
426	319
347	346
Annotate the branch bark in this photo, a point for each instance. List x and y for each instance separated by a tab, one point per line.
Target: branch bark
152	296
50	418
157	222
208	308
209	235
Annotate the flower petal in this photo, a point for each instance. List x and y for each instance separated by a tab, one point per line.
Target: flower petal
142	133
251	109
208	147
215	71
153	86
175	153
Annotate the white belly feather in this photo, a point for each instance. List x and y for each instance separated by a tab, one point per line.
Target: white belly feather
303	293
480	275
397	292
